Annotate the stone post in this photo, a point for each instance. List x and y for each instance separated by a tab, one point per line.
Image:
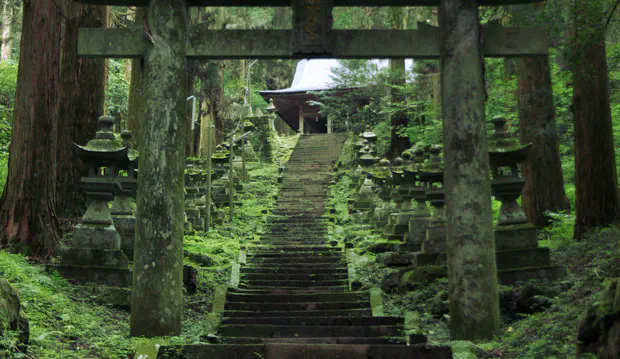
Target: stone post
472	274
157	296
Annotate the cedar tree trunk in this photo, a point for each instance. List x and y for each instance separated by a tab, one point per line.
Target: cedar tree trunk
136	100
544	186
595	163
81	100
29	198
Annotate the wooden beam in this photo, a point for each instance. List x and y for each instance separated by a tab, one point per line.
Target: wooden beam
269	44
281	3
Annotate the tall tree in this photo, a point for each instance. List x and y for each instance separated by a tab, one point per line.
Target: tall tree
595	163
81	99
27	208
136	103
544	187
7	10
397	18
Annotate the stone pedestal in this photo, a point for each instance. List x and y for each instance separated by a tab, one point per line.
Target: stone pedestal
125	223
416	233
519	258
95	254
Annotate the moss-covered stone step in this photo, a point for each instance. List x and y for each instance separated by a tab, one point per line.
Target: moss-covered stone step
328	321
549	272
294	331
299	298
318	340
295	248
293	276
308	235
282	229
305	220
302	313
304	351
283	291
315	259
301	253
260	255
314	287
298	212
295	270
298	266
283	241
297	283
278	306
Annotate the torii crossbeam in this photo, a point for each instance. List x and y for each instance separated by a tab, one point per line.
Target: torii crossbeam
460	42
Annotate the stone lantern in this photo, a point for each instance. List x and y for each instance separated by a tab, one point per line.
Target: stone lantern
432	175
358	145
371	137
408	185
505	155
382	177
122	211
517	252
221	171
265	133
95	254
248	149
193	189
421	215
398	222
363	200
366	161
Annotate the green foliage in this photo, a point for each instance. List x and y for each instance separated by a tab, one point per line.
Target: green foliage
8	86
117	90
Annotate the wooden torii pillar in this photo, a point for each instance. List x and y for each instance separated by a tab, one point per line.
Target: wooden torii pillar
165	44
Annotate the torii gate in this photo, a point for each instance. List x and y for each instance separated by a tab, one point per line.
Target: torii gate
167	42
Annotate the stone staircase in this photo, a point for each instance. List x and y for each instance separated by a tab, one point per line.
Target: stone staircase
293	300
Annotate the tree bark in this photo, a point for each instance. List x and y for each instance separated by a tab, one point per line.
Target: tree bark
157	296
6	40
136	100
81	100
29	198
595	163
472	272
544	186
398	143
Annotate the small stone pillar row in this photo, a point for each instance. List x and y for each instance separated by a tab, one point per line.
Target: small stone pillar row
95	254
518	254
157	294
